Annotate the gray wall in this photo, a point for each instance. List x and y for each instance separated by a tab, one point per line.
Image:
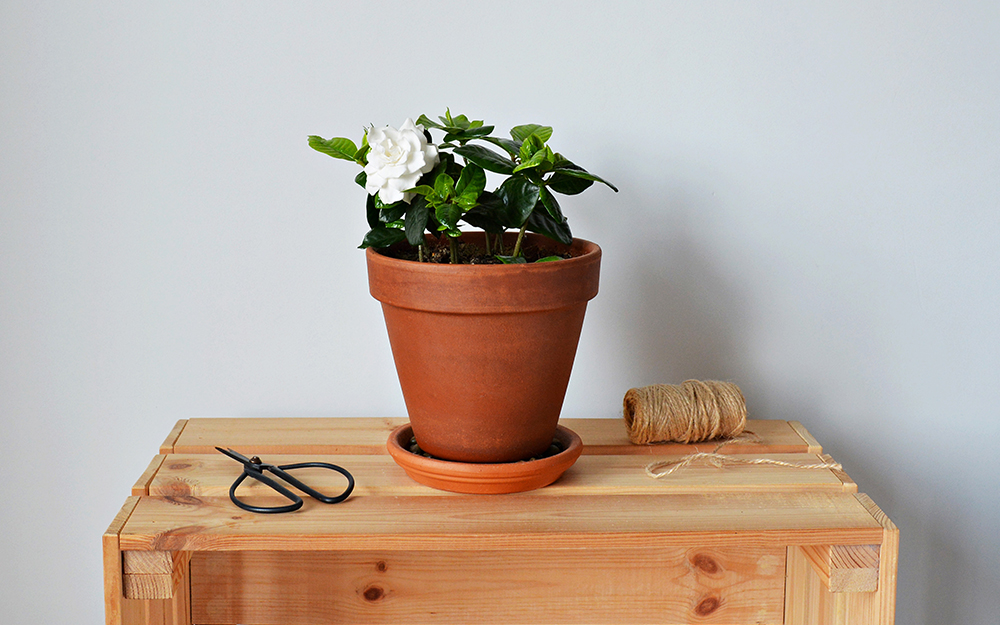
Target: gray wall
808	207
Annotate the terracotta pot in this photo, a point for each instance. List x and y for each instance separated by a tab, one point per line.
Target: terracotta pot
484	352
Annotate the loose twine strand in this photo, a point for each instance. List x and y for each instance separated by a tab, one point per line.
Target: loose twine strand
693	412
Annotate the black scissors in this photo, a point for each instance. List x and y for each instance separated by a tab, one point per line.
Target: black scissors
254	467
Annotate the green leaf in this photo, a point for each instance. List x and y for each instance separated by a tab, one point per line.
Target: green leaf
371	212
392	212
583	174
521	133
549	259
533	162
421	189
486	215
511	260
539	221
448	215
416	220
519	196
471	183
566	184
382	237
467	134
362	152
427	122
551	205
486	158
530	148
444	185
510	146
361	179
337	147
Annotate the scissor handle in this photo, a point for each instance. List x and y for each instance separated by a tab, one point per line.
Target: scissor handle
260	477
280	472
257	473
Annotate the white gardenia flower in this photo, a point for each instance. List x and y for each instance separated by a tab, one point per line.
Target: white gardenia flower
396	161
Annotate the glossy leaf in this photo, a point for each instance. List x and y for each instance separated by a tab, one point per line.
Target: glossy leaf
416	220
537	159
382	237
551	205
486	214
471	183
361	179
421	189
511	260
337	147
427	122
486	158
392	212
519	196
539	221
568	185
448	215
520	133
585	175
531	146
468	134
372	212
549	259
510	146
444	185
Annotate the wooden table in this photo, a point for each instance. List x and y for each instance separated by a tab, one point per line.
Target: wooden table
604	544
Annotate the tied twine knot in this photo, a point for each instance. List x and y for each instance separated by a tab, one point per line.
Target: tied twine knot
693	412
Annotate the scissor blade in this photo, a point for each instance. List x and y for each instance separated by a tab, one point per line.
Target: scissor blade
235	456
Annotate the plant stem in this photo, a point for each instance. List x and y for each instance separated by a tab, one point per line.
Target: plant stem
488	252
454	250
520	235
420	253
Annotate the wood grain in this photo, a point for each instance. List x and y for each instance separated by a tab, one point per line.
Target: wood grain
605	543
888	562
210	475
318	435
512	521
167	447
656	585
845	568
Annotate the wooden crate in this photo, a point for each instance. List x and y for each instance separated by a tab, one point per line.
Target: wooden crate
604	544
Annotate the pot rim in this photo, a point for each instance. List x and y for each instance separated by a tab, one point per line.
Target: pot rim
523	287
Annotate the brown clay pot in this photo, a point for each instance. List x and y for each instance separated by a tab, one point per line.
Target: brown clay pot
484	352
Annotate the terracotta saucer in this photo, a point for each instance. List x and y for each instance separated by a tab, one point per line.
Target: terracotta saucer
484	479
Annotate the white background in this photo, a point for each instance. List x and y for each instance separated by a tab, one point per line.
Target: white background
808	207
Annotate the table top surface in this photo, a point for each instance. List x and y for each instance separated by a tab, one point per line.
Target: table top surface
181	501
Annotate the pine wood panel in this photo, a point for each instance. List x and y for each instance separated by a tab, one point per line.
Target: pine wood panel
210	475
317	435
506	522
119	610
846	568
656	585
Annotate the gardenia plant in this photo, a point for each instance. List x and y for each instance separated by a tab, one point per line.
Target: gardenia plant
415	186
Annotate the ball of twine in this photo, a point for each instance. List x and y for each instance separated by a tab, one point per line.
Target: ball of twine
691	412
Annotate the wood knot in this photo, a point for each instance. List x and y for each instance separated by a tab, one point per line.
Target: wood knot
381	566
707	605
373	593
183	500
705	563
180	466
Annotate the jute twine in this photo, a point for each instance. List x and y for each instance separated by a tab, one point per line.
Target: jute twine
693	412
